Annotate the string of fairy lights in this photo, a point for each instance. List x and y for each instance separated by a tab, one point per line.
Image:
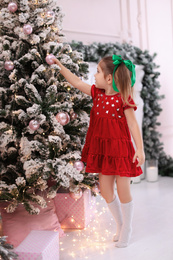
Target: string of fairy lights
78	244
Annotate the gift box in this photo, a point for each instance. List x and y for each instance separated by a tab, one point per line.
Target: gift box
72	213
18	224
39	245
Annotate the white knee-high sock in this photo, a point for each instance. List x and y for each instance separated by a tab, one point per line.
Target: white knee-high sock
126	230
115	209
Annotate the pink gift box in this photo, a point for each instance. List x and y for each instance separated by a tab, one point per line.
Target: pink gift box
39	245
73	213
18	225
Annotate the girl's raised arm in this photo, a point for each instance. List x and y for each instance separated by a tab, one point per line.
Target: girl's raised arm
73	79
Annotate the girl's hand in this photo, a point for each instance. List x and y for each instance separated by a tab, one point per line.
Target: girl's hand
56	61
139	156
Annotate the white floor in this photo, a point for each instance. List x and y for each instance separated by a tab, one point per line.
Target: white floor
152	237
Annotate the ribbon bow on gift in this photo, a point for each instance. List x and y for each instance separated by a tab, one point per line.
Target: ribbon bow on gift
117	60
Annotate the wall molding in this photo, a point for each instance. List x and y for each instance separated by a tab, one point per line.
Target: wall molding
139	21
133	17
92	33
172	18
146	23
129	31
125	21
142	21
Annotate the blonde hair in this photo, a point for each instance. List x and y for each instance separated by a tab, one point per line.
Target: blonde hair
122	77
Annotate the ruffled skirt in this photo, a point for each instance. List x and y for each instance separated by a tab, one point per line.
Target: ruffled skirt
110	150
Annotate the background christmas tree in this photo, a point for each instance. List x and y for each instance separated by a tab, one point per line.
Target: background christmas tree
43	120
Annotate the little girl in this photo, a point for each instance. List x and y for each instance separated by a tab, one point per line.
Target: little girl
108	149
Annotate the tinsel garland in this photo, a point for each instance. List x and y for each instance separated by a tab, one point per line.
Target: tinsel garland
149	93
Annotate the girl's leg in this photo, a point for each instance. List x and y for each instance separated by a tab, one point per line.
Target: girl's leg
107	189
123	189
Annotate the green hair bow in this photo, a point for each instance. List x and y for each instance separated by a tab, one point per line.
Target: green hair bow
117	60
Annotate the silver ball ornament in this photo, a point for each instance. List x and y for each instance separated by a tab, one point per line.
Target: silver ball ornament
9	65
34	125
79	165
76	195
63	118
27	29
12	7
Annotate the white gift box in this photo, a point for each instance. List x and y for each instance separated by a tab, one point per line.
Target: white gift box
39	245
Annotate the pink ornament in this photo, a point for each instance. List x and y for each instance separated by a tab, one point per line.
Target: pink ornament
34	124
96	188
50	14
9	65
78	165
49	59
12	7
63	118
76	195
27	29
73	116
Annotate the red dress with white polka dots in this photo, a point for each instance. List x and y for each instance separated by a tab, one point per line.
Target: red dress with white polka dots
108	148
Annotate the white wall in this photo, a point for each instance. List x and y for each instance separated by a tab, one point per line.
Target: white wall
89	20
147	24
160	34
105	21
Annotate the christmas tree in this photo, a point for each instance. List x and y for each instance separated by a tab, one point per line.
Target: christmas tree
6	252
43	119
